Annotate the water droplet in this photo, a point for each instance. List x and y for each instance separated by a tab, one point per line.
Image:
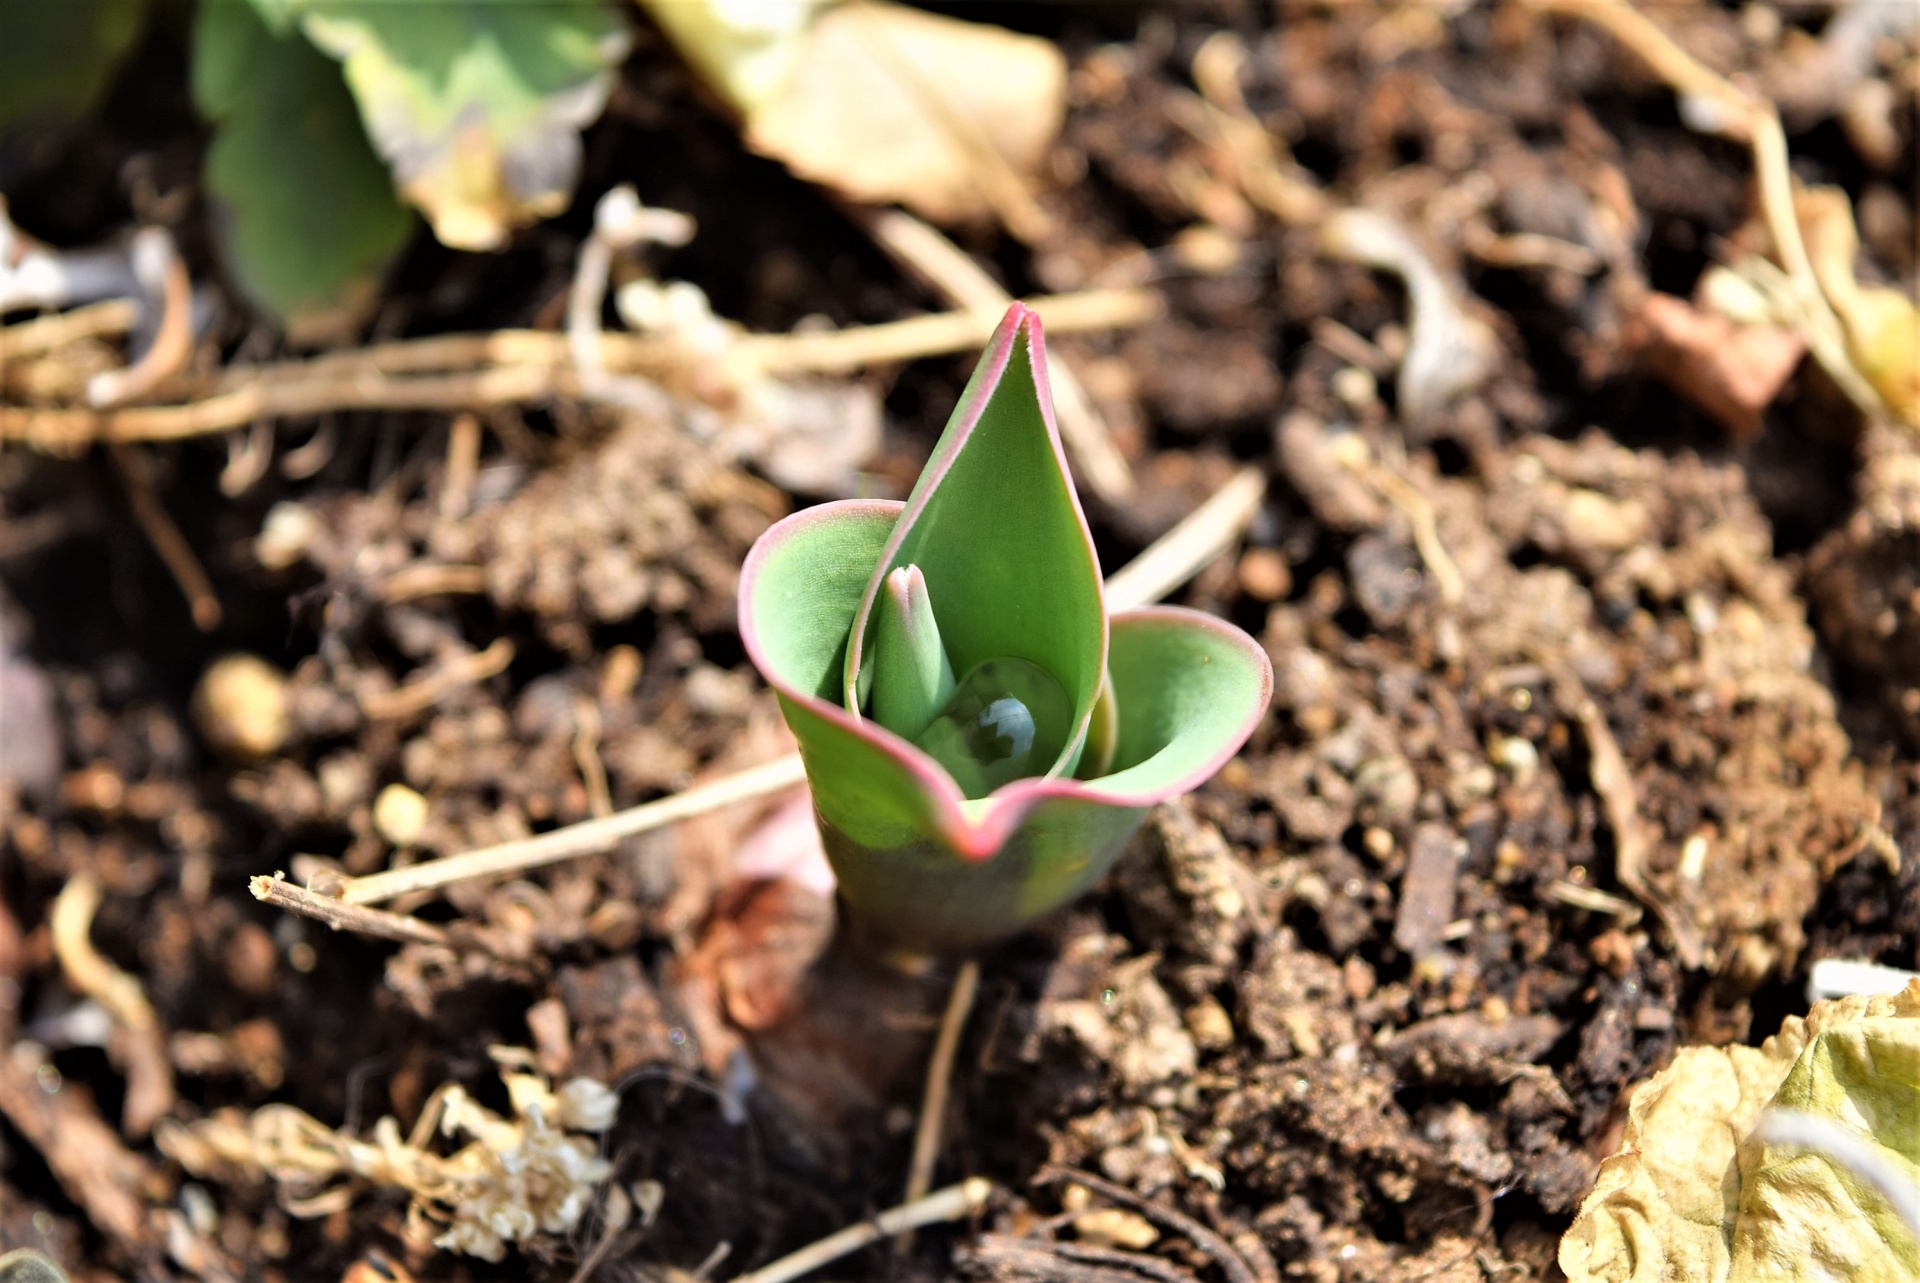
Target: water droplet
1107	996
1006	720
676	1035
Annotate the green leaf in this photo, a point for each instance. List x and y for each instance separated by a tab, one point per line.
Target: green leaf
475	104
799	591
305	216
1189	689
994	525
912	676
919	864
57	56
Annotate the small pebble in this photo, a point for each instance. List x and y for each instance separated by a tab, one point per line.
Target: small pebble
1264	574
1115	1227
400	815
1207	1021
30	751
241	706
285	536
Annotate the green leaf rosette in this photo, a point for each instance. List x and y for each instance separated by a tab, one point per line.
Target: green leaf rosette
981	739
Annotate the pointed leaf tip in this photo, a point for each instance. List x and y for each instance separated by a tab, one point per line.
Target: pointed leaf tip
995	527
912	676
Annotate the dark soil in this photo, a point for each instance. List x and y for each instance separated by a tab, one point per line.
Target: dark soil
1365	1007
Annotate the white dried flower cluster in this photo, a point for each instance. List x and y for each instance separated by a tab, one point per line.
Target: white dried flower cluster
522	1176
514	1177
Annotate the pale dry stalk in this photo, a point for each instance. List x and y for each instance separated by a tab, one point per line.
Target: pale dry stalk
1176	557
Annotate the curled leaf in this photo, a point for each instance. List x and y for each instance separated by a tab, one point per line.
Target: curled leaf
303	210
979	825
882	102
1693	1194
912	675
475	106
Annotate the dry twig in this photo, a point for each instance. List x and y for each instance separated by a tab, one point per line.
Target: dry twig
164	275
945	267
1231	1262
933	1102
586	755
588	838
432	579
1619	799
1715	104
341	916
442	680
45	334
1425	525
473	371
109	1182
165	536
139	1045
1176	556
949	1204
1257	161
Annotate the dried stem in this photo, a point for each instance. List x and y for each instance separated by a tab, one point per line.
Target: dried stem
419	695
1620	802
952	273
949	1204
1426	533
342	916
933	1102
166	538
588	838
1231	1262
45	334
164	274
1176	556
1752	119
141	1046
472	371
1169	562
844	351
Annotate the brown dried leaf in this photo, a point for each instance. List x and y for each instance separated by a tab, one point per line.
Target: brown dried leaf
1691	1196
1730	370
891	104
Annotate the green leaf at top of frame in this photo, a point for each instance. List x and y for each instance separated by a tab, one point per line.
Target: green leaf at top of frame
57	56
476	105
304	213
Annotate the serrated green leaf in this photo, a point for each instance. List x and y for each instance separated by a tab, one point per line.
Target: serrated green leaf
304	213
475	105
56	56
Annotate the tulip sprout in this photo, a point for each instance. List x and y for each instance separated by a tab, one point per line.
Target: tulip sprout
980	736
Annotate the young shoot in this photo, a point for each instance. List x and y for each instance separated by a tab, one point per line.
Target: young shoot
980	736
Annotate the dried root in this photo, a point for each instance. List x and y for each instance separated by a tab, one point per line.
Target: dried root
514	1178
